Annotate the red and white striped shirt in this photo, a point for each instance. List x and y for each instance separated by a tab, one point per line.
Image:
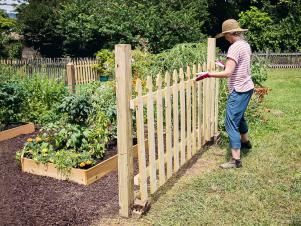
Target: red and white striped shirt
240	80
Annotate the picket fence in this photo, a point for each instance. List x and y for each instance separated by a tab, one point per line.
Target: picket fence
174	119
55	68
281	60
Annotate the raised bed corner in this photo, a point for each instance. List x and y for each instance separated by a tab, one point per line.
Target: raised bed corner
17	131
80	176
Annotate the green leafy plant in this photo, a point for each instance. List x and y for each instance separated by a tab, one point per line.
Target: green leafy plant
12	103
37	149
104	102
43	97
259	71
68	145
106	64
76	107
147	64
96	136
78	139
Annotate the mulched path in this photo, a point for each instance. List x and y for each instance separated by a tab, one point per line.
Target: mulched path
27	199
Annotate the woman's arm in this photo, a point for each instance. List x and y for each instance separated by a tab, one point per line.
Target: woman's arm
229	69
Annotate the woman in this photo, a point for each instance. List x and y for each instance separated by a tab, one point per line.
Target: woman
240	85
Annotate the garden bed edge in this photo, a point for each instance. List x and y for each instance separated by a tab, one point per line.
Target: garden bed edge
17	131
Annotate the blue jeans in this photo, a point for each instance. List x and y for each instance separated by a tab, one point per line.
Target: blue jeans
235	122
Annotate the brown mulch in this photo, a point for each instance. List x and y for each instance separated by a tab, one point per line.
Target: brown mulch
27	199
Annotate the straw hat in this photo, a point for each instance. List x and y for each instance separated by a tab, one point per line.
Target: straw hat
230	26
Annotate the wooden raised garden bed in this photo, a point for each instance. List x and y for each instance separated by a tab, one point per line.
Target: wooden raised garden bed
17	131
80	176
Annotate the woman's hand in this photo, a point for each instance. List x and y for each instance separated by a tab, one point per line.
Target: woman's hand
202	75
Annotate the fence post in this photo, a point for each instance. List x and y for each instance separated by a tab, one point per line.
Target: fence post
123	73
211	55
71	77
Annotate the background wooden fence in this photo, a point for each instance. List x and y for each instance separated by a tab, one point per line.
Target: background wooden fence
56	68
281	60
278	60
174	119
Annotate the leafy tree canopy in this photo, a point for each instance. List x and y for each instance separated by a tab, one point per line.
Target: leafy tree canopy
38	21
82	27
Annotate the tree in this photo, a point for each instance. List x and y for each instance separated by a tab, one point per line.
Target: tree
260	26
77	24
161	24
8	46
264	33
38	21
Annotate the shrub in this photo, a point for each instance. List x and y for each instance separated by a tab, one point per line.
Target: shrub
7	73
12	103
147	64
106	65
259	71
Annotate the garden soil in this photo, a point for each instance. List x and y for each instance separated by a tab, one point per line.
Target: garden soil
27	199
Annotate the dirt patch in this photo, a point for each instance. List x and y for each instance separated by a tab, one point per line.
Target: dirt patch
207	163
34	200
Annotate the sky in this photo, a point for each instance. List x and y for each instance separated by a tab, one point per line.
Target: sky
9	5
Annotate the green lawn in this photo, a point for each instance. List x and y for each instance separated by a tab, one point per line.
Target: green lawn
266	191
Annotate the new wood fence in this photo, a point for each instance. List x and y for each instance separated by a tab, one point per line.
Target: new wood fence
175	117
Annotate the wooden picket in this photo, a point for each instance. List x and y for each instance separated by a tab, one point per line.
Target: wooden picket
180	118
141	146
168	124
194	113
160	139
175	121
151	136
188	119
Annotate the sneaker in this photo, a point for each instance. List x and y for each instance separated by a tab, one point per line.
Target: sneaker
246	145
232	164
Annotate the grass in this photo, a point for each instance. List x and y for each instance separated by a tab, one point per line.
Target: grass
266	191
